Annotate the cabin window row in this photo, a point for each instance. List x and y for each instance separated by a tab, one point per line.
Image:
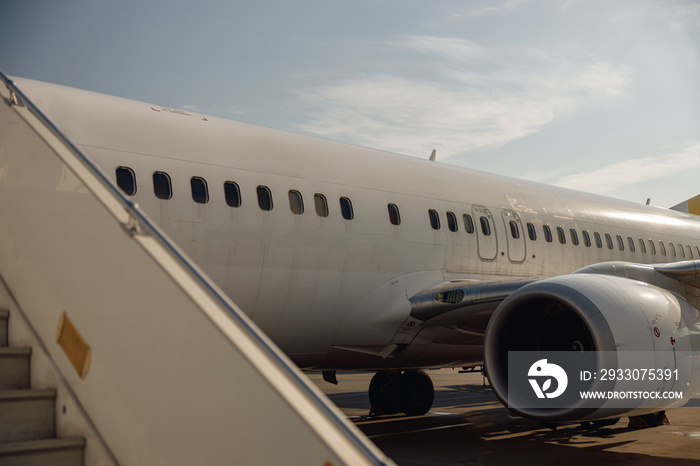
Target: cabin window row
620	242
163	189
684	252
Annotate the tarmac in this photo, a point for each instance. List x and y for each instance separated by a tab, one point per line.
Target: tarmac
469	426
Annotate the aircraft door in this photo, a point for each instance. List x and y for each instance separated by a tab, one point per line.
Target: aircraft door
485	234
515	236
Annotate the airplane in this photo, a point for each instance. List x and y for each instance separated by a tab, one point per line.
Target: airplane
353	259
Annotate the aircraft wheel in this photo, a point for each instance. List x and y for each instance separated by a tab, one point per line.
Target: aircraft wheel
416	393
384	392
648	420
605	422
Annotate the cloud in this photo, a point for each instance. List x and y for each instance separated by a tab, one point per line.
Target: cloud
510	5
454	48
679	14
472	97
683	15
613	177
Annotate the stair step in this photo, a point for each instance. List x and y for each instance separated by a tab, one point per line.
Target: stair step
4	315
27	415
14	368
56	452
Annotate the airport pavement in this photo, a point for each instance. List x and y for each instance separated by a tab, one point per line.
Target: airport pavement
469	426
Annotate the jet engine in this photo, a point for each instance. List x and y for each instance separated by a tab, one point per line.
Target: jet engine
610	316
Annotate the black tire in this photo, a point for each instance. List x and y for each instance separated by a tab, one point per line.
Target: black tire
605	422
384	392
416	393
655	419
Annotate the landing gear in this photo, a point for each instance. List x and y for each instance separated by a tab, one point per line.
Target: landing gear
600	423
648	420
410	392
605	422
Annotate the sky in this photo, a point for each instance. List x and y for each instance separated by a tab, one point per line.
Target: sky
600	96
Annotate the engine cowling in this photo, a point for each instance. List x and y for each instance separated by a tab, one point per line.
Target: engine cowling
608	315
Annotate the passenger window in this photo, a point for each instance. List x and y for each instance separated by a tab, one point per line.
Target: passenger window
586	238
468	223
162	187
531	232
620	243
434	219
485	227
514	230
394	216
681	251
346	208
232	193
690	251
321	205
574	236
560	234
673	249
662	246
608	240
652	247
296	202
200	193
452	221
598	241
697	251
547	233
642	246
630	241
264	198
126	180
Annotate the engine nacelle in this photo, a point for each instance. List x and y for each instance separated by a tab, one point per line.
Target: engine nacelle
608	315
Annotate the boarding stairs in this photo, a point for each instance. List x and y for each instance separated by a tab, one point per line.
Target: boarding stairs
27	416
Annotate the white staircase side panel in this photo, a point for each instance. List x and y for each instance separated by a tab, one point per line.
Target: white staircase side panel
177	373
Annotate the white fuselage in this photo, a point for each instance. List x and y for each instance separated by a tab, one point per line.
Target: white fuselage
331	291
